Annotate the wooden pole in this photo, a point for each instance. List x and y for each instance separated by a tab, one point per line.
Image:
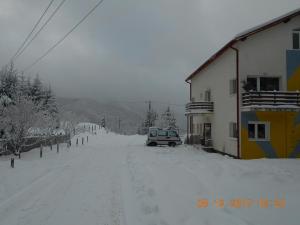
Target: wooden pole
12	163
41	151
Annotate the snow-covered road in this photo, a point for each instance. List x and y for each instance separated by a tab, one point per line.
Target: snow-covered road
116	180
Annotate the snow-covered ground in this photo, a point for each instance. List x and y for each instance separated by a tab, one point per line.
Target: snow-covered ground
116	180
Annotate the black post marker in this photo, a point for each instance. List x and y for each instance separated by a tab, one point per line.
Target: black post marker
41	151
12	163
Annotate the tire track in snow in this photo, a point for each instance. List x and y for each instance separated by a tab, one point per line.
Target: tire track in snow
145	195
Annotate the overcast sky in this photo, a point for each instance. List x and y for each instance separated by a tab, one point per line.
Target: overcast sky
129	49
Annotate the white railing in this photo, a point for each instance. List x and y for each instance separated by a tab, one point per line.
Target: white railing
194	107
271	98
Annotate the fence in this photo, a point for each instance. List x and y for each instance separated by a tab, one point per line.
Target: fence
33	142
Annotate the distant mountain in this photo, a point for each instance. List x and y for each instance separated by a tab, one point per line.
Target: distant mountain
130	114
89	110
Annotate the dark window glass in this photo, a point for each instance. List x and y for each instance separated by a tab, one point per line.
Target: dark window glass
251	130
261	131
153	133
252	84
296	40
162	133
173	133
269	84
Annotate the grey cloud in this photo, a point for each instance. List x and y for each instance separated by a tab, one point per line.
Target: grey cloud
129	49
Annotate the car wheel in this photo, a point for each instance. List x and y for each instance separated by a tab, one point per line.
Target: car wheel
152	144
172	144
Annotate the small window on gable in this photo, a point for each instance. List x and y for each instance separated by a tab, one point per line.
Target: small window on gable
207	96
296	38
232	86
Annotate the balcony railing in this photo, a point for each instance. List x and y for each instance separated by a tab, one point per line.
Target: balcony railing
199	107
271	99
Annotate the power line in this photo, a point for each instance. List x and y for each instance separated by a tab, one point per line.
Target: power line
44	25
64	37
33	29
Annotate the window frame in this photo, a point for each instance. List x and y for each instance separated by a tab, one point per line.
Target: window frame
297	32
233	86
207	95
267	130
232	131
258	81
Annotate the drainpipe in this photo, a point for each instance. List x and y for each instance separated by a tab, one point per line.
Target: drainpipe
187	117
237	98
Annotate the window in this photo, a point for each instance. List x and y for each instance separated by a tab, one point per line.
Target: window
233	131
269	84
207	96
296	39
252	83
172	133
232	86
259	131
153	133
162	133
263	84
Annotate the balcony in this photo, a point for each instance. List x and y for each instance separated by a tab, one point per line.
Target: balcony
271	101
199	108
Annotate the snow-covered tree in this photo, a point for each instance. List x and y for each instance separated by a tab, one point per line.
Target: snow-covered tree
17	119
151	117
36	92
24	105
8	81
168	119
49	102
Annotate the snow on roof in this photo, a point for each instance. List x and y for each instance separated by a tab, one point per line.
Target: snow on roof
264	25
254	30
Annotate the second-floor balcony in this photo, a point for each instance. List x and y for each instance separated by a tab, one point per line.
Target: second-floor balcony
271	100
199	107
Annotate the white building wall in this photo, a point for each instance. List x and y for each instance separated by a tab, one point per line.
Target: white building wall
264	54
216	77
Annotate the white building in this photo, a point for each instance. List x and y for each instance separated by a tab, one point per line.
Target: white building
244	100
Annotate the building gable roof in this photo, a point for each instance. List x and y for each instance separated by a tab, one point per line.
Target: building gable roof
242	36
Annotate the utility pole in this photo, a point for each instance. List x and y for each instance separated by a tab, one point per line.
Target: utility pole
119	124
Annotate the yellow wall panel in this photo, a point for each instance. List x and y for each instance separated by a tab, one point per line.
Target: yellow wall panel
284	139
